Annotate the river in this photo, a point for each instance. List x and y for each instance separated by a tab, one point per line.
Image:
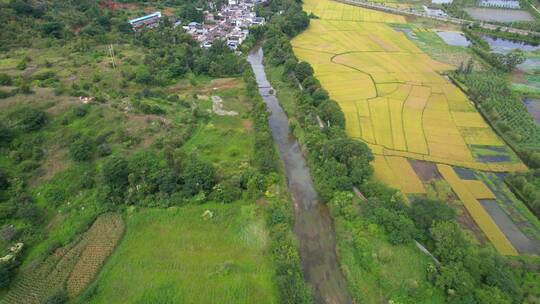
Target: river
312	225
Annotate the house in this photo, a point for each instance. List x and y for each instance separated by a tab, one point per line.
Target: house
513	4
257	21
234	41
148	21
434	12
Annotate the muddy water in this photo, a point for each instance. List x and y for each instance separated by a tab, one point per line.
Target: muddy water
313	226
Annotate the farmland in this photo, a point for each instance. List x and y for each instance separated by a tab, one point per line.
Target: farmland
74	265
184	257
399	103
395	99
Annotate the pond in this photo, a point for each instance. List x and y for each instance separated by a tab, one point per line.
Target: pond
530	65
498	15
454	38
520	241
500	45
533	106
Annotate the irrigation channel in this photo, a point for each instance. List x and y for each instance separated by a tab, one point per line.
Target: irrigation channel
313	225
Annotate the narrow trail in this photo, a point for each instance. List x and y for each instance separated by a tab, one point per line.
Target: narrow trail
313	225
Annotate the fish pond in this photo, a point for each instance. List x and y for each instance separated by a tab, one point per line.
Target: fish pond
498	15
454	38
533	106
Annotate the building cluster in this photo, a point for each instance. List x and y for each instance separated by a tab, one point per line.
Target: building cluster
231	23
514	4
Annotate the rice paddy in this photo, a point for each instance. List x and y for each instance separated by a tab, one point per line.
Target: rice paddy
396	99
391	92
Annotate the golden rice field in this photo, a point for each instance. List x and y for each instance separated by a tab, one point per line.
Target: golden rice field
395	100
391	92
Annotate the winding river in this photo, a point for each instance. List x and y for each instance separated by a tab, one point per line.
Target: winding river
313	225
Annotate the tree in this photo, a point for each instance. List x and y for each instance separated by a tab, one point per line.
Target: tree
512	59
198	176
450	244
143	75
424	212
303	70
81	149
115	172
331	113
455	281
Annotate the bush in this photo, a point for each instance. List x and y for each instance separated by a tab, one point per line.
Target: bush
59	297
198	176
424	212
81	149
104	150
303	70
5	79
115	172
28	119
4	94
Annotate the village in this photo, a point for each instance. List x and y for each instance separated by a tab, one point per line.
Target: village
230	23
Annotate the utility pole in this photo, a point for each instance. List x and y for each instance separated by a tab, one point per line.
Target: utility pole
111	53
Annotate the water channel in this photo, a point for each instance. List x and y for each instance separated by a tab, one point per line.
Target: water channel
313	225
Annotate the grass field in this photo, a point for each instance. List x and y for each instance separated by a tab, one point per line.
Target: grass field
179	256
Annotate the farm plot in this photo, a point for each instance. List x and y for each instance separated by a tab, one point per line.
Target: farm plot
72	267
479	214
390	91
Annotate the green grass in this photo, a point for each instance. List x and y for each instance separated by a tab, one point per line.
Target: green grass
178	256
377	270
225	141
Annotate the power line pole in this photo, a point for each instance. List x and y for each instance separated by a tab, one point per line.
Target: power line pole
111	53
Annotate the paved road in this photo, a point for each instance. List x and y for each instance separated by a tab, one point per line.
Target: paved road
398	11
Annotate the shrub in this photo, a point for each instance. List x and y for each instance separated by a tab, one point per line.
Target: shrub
59	297
424	212
28	119
303	70
4	94
81	149
5	79
104	150
198	176
115	172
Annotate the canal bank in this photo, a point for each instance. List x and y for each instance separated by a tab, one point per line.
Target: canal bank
313	226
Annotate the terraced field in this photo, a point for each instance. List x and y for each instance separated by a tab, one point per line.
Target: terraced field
395	99
73	266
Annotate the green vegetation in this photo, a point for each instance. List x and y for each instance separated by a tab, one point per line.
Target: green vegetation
210	253
527	186
505	111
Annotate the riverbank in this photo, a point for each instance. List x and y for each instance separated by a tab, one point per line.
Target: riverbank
313	226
